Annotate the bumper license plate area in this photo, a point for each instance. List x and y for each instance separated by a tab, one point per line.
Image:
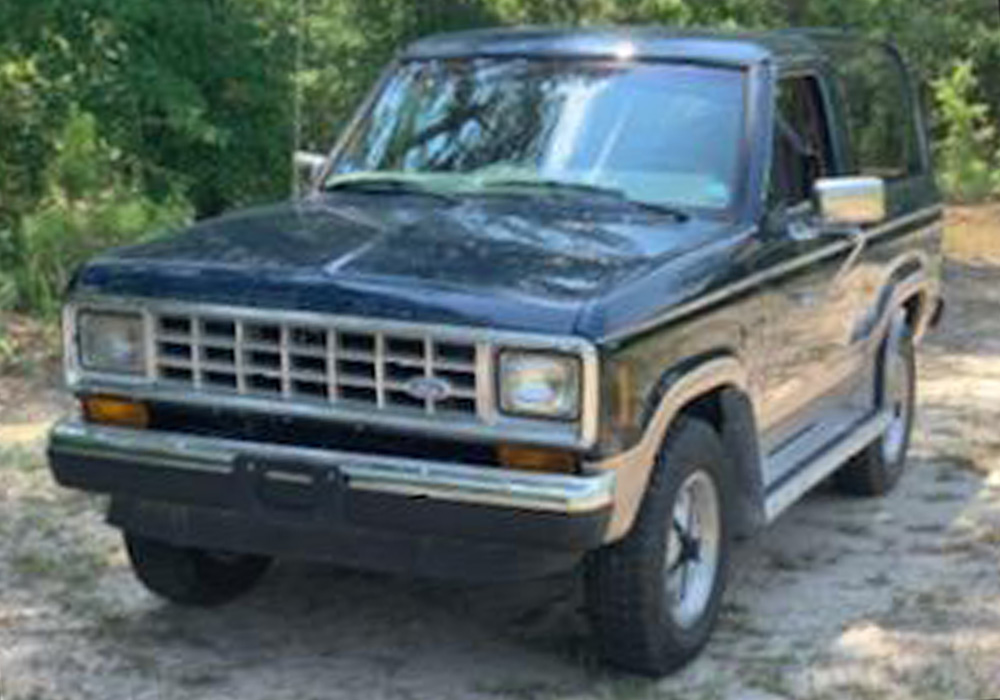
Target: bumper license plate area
287	486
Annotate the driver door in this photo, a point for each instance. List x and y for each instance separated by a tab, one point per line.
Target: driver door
808	370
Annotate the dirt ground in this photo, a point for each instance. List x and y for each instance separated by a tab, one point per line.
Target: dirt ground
841	598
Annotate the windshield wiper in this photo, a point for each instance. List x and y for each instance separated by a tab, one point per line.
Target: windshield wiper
583	188
564	185
658	208
384	185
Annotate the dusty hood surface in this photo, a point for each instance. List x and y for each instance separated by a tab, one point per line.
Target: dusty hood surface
519	262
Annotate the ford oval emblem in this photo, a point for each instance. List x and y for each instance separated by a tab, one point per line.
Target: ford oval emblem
424	388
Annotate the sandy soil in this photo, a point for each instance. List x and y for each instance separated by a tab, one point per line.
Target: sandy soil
841	598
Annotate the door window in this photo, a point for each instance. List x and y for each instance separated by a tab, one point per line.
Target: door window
801	142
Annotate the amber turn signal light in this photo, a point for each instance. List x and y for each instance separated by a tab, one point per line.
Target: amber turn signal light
111	410
536	459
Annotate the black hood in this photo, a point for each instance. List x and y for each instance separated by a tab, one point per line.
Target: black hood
516	262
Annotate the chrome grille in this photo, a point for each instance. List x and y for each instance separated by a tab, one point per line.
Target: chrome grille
318	364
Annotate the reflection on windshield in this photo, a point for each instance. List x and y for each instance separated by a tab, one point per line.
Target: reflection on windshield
659	133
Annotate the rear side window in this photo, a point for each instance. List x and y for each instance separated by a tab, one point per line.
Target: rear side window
882	133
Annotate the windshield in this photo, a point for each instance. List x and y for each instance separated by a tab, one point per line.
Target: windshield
656	132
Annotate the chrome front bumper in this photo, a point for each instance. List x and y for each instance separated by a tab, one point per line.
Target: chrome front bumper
439	481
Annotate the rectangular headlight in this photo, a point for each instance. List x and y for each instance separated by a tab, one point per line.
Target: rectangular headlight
540	384
111	342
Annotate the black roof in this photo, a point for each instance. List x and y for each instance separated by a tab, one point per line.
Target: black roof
786	46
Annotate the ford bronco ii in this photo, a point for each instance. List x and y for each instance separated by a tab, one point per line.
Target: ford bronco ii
605	297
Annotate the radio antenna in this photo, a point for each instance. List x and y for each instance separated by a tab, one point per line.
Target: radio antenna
300	31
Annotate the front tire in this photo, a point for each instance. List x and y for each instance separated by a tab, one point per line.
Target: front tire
876	470
192	577
654	596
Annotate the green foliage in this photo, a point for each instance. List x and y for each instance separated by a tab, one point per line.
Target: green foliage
81	164
200	93
91	203
967	159
23	138
56	239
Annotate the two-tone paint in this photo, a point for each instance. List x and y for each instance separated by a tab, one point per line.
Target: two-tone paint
771	330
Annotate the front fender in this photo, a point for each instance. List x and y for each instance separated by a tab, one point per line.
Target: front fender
634	466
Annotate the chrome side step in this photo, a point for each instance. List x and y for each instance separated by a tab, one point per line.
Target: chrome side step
824	464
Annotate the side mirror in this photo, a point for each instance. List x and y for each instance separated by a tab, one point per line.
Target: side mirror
308	167
850	200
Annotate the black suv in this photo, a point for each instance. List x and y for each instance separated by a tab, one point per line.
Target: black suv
603	297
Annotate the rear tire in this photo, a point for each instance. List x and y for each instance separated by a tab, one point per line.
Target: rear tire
192	577
876	470
654	597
